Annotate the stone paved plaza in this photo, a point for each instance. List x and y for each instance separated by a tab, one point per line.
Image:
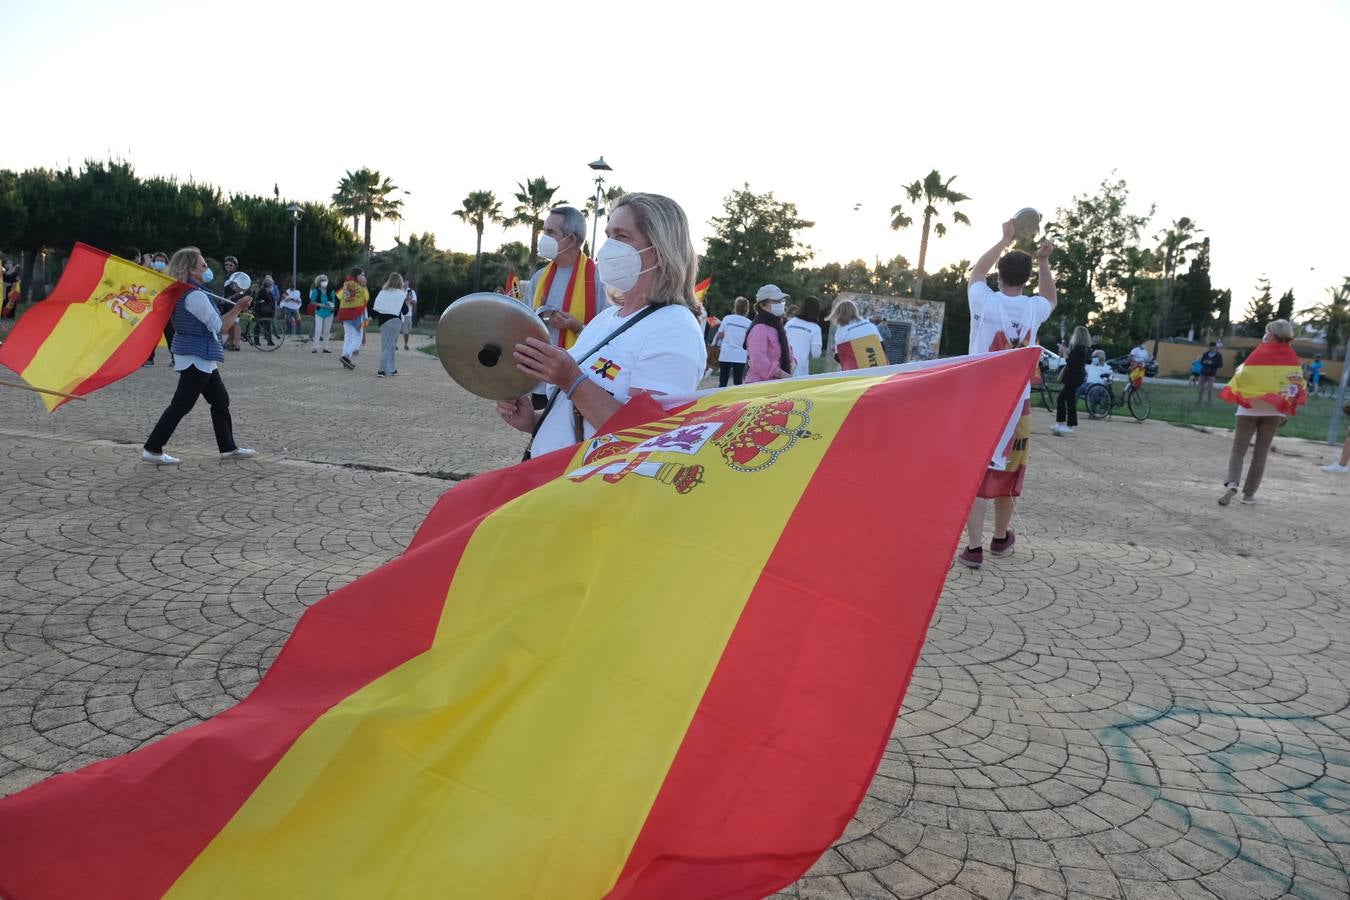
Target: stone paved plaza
1151	698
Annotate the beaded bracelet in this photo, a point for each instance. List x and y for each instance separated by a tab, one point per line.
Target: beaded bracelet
576	384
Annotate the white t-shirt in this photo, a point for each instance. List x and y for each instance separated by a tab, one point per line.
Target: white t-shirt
1000	322
842	334
290	299
805	340
662	354
389	302
1139	355
731	336
412	305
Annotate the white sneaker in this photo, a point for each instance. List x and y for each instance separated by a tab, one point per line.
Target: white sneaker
1337	468
239	453
1068	430
1058	429
159	459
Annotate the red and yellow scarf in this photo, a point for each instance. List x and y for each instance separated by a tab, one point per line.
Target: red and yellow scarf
1272	373
581	299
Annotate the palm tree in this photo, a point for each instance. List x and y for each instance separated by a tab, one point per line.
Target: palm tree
478	209
1173	245
1332	318
931	191
533	200
416	255
364	194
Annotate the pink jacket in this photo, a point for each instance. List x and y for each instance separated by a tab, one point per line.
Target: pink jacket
762	345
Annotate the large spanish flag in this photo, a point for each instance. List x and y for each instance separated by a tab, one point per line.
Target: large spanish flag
105	317
1273	374
615	670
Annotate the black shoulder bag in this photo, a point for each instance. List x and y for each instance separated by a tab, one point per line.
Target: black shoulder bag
557	391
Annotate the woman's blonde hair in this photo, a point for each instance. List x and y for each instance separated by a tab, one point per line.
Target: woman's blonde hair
1281	330
393	282
1081	337
183	262
844	311
741	306
663	222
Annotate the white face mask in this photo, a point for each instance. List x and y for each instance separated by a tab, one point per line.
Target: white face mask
159	265
621	264
778	308
548	246
208	276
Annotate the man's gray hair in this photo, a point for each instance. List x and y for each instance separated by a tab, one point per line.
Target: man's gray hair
574	223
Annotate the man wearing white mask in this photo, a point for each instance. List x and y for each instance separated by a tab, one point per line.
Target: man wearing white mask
567	292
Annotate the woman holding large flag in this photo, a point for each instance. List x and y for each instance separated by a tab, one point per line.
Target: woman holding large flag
646	341
1267	388
197	355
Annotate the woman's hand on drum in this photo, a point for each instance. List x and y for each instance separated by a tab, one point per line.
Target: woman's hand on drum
518	413
548	363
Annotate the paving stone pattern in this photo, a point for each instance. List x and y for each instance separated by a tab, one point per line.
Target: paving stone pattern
1147	700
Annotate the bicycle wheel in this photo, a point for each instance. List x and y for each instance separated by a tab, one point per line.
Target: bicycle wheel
1097	398
1047	397
1139	404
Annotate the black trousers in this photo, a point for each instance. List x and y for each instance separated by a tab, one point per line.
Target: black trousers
1066	407
194	383
731	370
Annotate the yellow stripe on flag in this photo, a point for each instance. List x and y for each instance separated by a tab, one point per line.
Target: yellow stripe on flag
520	755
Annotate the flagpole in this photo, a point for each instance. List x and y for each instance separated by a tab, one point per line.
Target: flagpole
29	387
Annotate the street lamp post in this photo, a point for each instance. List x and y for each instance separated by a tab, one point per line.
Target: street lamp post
600	167
296	212
398	223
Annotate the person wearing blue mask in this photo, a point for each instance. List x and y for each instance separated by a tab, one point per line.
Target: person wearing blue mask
647	340
198	354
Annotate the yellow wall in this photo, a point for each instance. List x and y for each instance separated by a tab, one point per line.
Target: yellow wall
1174	359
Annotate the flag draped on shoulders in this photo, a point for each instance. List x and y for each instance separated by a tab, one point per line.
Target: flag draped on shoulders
579	302
1271	373
559	690
103	319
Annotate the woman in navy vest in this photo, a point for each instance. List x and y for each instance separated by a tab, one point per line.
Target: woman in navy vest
197	354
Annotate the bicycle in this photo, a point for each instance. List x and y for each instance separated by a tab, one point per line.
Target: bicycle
1101	401
248	330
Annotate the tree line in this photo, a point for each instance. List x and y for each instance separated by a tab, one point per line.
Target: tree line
1114	273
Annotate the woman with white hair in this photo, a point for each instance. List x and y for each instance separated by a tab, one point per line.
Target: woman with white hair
1267	388
646	341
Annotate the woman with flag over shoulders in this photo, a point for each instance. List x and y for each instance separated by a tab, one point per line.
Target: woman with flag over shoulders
646	341
1267	388
197	355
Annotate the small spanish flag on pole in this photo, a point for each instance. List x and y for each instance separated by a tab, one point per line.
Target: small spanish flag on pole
606	721
512	282
104	318
701	290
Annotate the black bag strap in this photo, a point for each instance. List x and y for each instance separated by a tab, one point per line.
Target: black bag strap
557	391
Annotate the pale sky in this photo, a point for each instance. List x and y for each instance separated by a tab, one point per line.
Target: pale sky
1232	113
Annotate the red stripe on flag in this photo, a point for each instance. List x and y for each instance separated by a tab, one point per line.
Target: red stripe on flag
847	360
130	826
79	281
803	701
